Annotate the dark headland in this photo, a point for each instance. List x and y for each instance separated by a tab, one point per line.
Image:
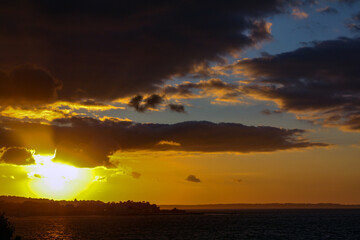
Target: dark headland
21	206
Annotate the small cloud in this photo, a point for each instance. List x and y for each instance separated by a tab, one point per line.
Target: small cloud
100	179
238	180
269	112
193	178
141	105
177	108
136	175
33	175
6	176
328	10
169	143
297	13
261	30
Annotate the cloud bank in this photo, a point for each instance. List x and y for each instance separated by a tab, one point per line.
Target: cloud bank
320	83
89	142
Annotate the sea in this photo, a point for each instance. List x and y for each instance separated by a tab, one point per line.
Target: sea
244	224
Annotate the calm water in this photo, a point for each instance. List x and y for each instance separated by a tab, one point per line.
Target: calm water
249	224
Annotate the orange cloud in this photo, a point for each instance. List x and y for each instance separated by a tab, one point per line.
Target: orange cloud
297	13
170	143
49	112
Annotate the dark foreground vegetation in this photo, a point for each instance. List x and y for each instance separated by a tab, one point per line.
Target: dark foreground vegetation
19	206
6	229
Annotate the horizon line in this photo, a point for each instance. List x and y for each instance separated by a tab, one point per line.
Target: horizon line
194	204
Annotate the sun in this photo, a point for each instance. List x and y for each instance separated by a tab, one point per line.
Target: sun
57	180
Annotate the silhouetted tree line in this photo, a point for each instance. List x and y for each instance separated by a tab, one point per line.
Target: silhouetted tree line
13	206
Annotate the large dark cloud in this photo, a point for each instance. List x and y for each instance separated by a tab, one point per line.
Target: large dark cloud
321	81
14	155
109	49
89	142
27	85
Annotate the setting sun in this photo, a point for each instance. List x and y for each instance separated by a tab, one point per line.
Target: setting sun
112	110
57	180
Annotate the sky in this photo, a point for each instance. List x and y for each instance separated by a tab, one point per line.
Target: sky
181	102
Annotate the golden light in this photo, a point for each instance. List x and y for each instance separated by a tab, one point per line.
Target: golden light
56	180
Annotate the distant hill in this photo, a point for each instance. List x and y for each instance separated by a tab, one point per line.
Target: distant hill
236	206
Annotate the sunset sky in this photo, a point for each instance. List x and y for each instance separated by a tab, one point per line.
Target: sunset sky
181	102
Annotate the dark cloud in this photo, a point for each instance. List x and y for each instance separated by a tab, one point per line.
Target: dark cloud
177	108
89	142
153	101
135	175
328	10
26	85
193	178
141	105
109	49
238	180
136	102
18	156
321	81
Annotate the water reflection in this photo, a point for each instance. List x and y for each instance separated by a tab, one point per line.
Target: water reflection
251	224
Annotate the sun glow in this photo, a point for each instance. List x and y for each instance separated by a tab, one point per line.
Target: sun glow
57	180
